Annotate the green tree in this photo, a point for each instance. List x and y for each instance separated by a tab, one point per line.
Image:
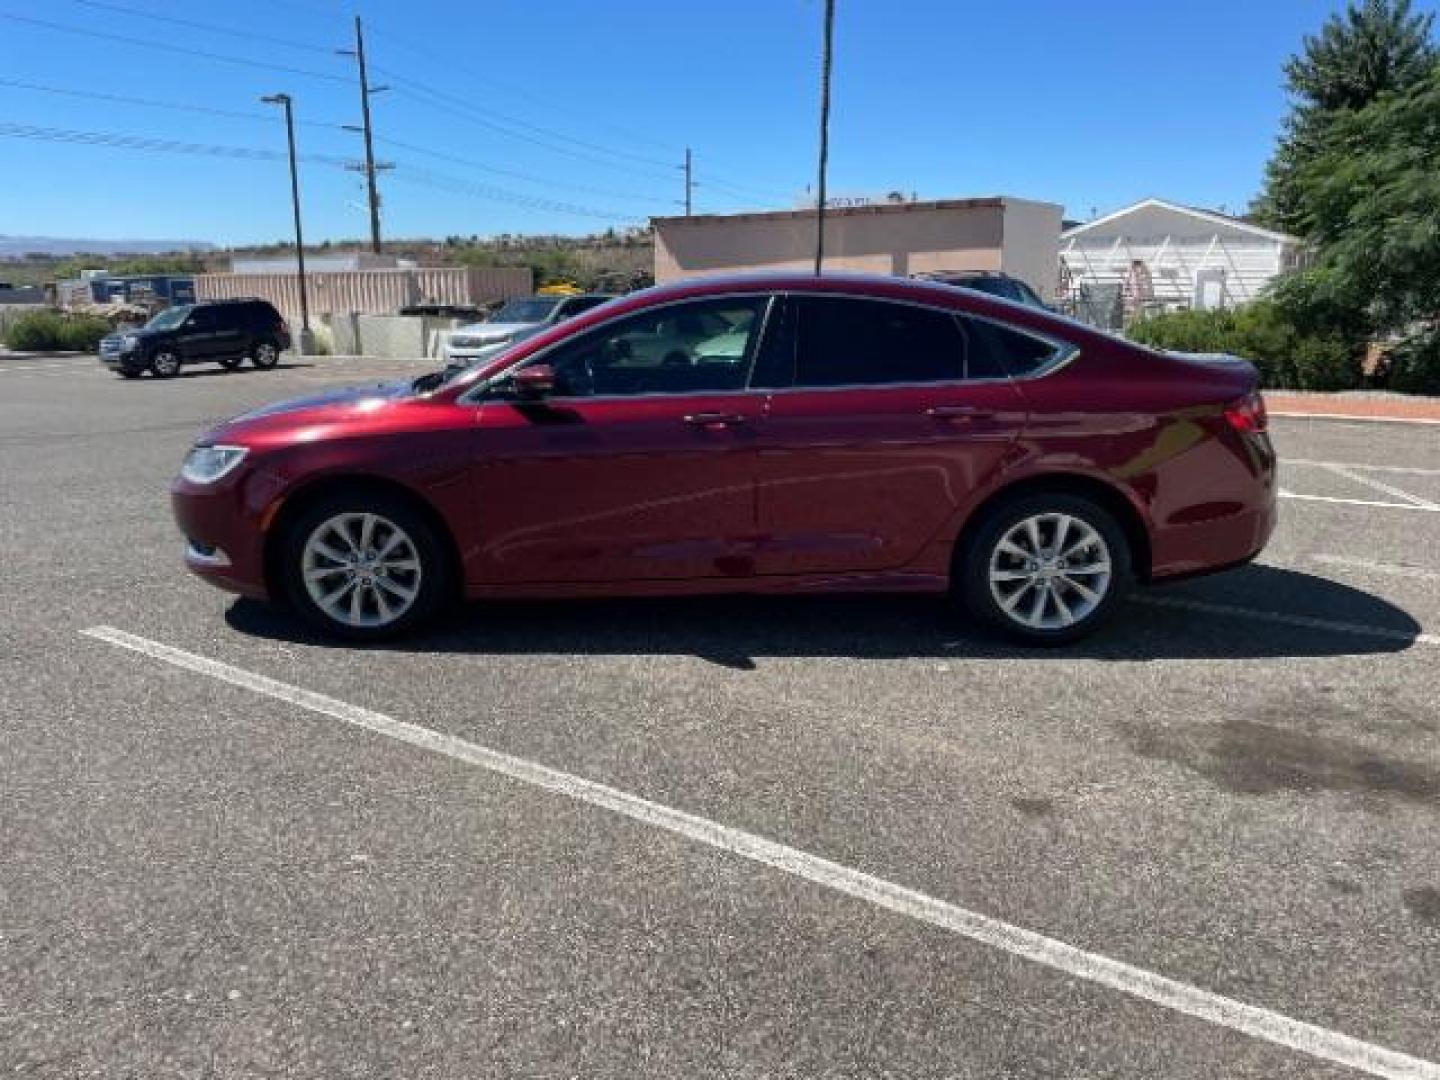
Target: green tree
1375	48
1370	202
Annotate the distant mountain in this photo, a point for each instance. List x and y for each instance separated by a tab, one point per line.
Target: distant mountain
16	247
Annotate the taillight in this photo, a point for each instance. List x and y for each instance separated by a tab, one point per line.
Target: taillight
1247	415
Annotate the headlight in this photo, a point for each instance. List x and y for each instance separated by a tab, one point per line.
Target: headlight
206	464
129	341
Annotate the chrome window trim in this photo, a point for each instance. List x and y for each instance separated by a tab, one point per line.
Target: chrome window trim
473	395
1064	352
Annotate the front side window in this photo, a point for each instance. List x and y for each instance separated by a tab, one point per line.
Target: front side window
843	341
687	348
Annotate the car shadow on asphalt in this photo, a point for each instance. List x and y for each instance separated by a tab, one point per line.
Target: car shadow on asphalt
213	370
1302	615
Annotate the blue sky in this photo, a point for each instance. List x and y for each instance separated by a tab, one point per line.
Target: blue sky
572	115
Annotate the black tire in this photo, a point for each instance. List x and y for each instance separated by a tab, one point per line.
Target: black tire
165	363
265	355
1064	579
230	363
434	588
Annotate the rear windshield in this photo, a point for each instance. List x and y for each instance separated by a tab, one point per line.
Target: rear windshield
534	309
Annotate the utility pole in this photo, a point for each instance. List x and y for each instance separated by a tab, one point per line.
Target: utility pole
824	132
369	168
285	100
689	181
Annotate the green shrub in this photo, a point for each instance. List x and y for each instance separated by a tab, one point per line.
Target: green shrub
51	331
1414	366
1264	333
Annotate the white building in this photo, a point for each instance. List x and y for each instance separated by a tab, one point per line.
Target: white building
1158	255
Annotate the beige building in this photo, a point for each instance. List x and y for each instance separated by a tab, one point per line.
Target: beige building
1000	233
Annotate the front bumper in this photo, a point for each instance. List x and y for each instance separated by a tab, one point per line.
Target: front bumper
224	541
122	358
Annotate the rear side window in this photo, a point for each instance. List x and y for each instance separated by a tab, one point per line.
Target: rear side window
996	351
841	341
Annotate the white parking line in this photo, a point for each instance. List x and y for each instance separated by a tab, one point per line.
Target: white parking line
1284	494
1351	417
1380	486
1252	1020
1393	569
1284	618
1410	470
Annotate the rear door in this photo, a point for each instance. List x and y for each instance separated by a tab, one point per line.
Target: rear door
640	466
884	426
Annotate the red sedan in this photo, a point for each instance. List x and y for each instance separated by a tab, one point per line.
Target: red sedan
784	433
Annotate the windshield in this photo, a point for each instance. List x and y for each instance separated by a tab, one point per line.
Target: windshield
169	318
531	309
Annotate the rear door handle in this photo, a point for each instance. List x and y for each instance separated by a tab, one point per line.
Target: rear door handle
958	412
714	419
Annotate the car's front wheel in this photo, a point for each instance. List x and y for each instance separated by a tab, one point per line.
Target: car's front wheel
1046	569
365	566
165	363
267	355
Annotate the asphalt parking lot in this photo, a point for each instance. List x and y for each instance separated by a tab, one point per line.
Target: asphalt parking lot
727	837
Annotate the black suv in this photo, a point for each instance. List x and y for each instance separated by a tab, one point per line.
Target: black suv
225	332
987	281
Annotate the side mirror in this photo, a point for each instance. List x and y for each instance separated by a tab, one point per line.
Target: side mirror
534	382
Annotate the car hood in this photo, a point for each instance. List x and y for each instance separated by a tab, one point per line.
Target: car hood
493	330
326	409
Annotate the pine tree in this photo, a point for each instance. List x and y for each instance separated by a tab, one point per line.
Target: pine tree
1375	48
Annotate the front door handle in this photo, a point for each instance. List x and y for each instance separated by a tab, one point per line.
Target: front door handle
958	412
714	420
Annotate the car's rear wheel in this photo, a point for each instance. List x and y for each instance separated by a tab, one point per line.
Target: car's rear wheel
364	566
165	363
1046	569
266	355
230	363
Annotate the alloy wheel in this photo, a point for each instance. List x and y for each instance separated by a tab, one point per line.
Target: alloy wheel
1050	571
165	364
361	570
266	355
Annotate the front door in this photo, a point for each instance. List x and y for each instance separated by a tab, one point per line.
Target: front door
195	339
640	466
891	418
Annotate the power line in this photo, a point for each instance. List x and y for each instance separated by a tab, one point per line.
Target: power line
151	103
104	5
518	91
513	174
415	85
472	117
422	177
166	47
118	141
411	174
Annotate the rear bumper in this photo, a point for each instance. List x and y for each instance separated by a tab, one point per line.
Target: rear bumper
1218	544
224	543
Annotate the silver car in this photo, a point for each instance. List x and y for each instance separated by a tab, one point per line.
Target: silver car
516	320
